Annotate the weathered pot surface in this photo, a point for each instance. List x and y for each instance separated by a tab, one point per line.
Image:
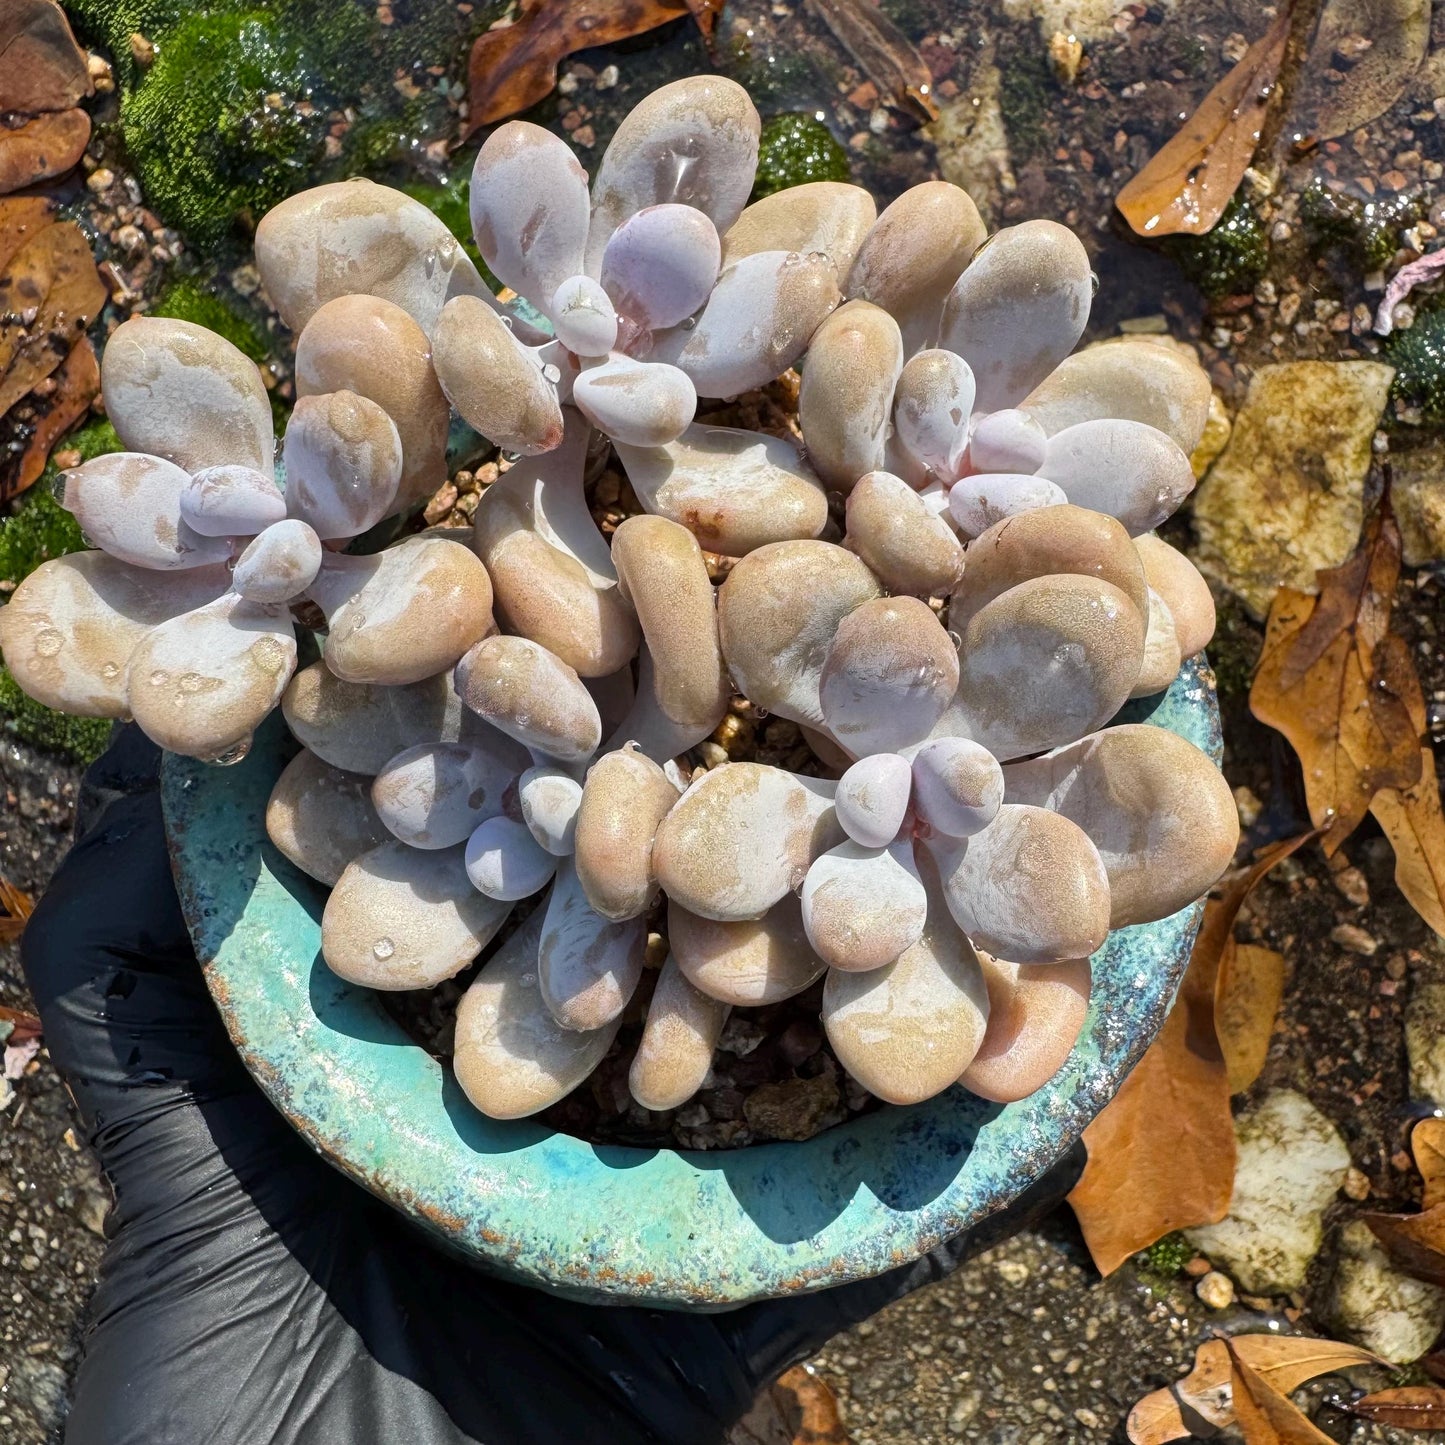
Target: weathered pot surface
604	1223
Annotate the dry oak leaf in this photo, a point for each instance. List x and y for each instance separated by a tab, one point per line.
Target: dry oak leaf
797	1409
20	218
41	66
43	147
1187	184
1263	1414
1334	679
883	52
514	66
1161	1152
1202	1402
77	384
1427	1144
50	292
1247	995
1413	1407
1412	819
18	906
1415	1242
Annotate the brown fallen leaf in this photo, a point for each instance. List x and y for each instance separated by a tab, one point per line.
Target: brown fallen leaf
20	218
1334	680
18	906
1205	1395
1263	1414
1415	1242
1161	1152
24	1025
1247	994
43	147
1412	1407
883	53
1412	819
77	384
1342	88
706	13
514	66
1427	1144
1187	184
50	292
797	1409
41	66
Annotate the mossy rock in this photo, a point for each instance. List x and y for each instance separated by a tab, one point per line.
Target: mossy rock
235	111
795	149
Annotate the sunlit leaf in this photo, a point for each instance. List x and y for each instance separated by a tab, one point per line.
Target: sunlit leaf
50	292
1413	1407
43	147
1263	1414
41	66
515	66
1333	680
20	218
77	384
1246	1000
1427	1144
1189	182
1205	1394
17	906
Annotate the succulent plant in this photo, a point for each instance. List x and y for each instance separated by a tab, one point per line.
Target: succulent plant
515	708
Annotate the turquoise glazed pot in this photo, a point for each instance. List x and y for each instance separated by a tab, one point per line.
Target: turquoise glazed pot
605	1223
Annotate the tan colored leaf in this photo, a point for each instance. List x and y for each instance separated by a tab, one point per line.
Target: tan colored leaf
41	66
1411	817
1161	1153
1414	1407
17	906
1342	88
706	13
1332	679
1416	1242
1198	1404
43	147
1246	1000
1287	1361
809	1407
514	66
1427	1144
1185	187
1205	1394
50	292
20	218
1264	1416
77	384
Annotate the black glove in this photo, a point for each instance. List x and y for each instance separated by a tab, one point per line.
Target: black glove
250	1293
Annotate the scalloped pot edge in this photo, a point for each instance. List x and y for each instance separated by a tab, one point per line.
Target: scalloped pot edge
606	1223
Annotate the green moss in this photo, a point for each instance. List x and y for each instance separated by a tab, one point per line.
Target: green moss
1234	649
82	738
188	300
1028	95
1166	1257
1417	353
451	204
795	149
39	528
1367	231
1231	258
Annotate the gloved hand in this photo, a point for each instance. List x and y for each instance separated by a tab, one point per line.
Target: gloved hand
252	1294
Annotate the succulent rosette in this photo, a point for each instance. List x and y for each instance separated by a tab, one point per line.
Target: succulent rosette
509	713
